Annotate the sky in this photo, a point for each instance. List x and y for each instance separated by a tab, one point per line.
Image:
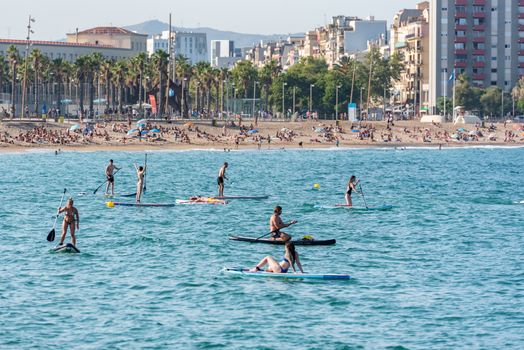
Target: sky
55	18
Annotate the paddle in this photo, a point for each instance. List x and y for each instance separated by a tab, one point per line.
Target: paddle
95	191
51	235
364	198
267	234
145	175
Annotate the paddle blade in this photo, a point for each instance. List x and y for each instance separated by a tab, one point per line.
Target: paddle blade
51	236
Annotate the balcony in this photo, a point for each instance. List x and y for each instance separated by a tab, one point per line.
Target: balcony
480	76
479	64
479	14
521	27
461	52
521	53
460	64
479	52
461	15
461	2
521	2
521	64
521	15
481	2
480	28
461	27
461	39
479	39
521	40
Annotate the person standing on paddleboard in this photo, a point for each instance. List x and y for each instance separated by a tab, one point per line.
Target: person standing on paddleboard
276	224
140	171
220	179
71	218
110	178
352	186
289	259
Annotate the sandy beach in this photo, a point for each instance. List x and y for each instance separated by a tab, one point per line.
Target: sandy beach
16	136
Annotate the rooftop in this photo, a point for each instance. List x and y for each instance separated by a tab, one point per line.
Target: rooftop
107	30
53	43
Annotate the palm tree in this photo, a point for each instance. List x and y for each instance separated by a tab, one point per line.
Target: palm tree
183	71
14	58
118	75
37	59
3	72
159	62
138	67
94	62
106	69
82	75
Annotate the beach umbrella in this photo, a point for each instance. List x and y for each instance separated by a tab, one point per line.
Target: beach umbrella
75	127
141	121
141	125
252	131
154	130
145	132
132	131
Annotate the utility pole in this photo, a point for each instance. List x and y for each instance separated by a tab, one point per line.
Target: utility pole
311	86
283	100
502	104
28	43
336	101
294	99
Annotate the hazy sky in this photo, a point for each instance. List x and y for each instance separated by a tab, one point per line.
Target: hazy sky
54	18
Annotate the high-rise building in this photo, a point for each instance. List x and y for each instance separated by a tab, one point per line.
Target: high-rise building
191	45
483	39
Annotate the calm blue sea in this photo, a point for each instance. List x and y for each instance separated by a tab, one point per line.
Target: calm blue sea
443	269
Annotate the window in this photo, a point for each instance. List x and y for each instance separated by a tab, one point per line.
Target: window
494	70
460	8
460	46
460	33
461	21
478	8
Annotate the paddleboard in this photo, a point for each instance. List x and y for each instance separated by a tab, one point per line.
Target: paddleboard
381	208
66	248
128	195
188	202
242	197
277	242
290	275
122	204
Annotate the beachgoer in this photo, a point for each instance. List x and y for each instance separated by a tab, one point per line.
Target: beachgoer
140	171
200	199
220	179
352	186
71	218
110	168
276	224
289	259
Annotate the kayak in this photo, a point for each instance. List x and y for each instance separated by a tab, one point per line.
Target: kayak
381	208
242	197
190	202
122	204
66	248
296	242
247	273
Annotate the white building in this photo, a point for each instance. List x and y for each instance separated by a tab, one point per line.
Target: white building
356	40
193	46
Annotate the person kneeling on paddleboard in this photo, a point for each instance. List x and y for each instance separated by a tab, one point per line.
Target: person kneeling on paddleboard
70	218
276	224
288	260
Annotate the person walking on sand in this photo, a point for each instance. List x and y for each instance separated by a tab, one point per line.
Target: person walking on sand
110	178
71	218
220	179
352	186
276	224
140	171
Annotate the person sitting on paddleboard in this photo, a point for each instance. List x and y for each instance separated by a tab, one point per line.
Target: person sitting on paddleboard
220	179
288	260
140	171
352	186
70	218
110	178
276	224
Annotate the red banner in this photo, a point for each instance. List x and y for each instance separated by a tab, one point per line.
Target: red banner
152	100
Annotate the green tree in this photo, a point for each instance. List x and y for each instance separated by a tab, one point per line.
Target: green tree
14	58
518	94
466	95
491	100
440	105
244	75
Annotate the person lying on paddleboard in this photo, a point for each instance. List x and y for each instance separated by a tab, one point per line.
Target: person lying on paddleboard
352	186
220	179
288	260
110	178
140	171
276	224
200	199
70	218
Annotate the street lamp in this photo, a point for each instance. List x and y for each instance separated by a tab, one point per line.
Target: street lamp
336	101
361	103
234	98
283	100
294	94
502	104
311	86
254	95
182	103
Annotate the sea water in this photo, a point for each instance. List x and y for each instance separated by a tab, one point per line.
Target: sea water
443	269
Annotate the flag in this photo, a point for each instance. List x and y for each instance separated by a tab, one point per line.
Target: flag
452	76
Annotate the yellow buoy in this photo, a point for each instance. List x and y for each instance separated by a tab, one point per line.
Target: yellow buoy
110	204
316	186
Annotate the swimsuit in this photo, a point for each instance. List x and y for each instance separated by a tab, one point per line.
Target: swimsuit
110	178
220	180
276	234
284	260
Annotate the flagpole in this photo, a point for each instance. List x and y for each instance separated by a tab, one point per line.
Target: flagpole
445	94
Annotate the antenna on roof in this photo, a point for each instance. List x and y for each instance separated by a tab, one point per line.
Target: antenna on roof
77	35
